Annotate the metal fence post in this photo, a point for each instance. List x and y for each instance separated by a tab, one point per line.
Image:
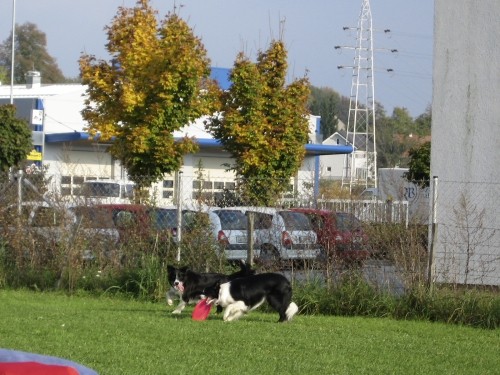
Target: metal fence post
19	191
179	215
251	220
432	234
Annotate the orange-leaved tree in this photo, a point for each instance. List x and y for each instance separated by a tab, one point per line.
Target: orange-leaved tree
263	123
156	83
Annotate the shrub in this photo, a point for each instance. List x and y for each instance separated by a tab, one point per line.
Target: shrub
355	297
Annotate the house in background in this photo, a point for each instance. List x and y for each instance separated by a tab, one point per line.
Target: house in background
334	167
72	157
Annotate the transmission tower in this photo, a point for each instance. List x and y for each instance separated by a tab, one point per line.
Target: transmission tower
360	167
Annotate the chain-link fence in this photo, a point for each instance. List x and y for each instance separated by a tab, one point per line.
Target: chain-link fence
52	222
465	232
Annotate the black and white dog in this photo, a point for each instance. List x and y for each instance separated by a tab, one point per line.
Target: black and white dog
175	290
242	295
190	285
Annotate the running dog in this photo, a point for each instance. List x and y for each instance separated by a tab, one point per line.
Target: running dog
243	295
175	290
190	285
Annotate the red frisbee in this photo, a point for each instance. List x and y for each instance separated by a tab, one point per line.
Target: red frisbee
201	310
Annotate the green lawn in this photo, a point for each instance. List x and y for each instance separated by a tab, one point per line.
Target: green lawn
114	336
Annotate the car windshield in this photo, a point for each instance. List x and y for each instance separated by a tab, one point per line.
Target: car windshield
318	221
232	219
347	222
124	218
164	218
192	220
295	220
49	217
262	221
94	217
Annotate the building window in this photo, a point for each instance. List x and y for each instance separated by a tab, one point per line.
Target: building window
168	189
202	184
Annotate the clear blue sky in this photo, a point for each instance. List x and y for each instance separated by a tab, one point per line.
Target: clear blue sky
311	30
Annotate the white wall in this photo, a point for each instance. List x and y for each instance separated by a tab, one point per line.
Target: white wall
78	161
332	166
466	139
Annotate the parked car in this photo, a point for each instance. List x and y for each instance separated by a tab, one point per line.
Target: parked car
282	234
340	234
115	225
39	229
228	227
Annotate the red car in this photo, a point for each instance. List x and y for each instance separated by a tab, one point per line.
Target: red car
340	234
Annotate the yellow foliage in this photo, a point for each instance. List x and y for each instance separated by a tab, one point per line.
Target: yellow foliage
264	123
151	87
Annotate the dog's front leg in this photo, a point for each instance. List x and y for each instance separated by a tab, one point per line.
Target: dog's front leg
171	294
234	311
227	312
181	307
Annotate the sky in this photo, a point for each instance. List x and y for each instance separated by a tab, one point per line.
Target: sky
311	29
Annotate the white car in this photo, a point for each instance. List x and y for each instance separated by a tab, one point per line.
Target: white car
229	229
282	234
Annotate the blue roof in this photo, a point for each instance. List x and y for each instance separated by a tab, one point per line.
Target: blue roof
311	149
221	75
66	137
206	143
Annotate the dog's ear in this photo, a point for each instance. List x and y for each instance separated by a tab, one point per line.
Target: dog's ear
246	268
212	291
170	268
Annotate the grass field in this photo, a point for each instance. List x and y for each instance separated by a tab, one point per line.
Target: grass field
118	337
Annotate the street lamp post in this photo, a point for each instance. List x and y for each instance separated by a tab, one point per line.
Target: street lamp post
12	56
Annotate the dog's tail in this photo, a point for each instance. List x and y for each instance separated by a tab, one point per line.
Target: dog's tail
291	310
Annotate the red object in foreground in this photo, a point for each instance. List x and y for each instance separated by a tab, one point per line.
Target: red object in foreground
34	368
201	310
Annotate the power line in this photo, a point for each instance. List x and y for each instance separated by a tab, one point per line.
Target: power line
360	167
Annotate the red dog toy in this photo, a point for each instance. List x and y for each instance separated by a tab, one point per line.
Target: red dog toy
201	310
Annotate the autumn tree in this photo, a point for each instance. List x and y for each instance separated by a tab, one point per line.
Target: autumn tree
420	164
30	53
153	85
263	124
423	122
16	138
396	135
